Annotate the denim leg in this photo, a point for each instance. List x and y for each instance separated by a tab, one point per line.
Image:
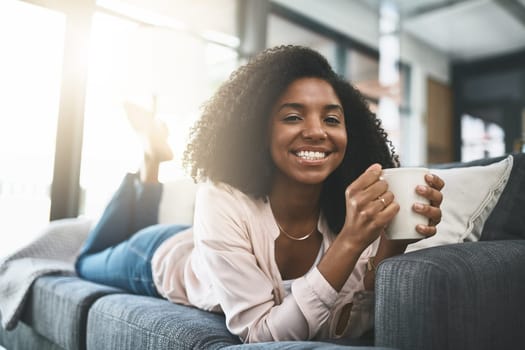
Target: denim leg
128	264
134	205
146	210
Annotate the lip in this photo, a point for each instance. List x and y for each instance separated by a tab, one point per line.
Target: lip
315	162
312	148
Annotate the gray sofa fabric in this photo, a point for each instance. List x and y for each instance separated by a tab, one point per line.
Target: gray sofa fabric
305	345
140	322
24	337
461	296
507	220
132	321
57	308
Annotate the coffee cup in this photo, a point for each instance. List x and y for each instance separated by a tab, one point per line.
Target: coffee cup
402	182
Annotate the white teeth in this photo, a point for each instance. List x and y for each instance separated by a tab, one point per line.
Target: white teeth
311	155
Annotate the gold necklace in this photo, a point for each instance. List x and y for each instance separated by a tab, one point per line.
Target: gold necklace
302	238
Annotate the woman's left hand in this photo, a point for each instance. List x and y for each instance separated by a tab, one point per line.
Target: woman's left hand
432	211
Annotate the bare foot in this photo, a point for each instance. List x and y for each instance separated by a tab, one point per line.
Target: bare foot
152	131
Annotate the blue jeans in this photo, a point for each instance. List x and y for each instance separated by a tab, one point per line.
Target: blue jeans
119	249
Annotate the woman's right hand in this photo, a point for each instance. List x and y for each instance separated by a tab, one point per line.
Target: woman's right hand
369	208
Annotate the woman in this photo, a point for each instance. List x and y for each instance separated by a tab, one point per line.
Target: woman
288	225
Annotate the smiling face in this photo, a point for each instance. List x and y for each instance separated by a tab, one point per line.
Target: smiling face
307	132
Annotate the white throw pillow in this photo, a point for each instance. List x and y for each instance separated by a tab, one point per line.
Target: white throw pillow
178	202
469	196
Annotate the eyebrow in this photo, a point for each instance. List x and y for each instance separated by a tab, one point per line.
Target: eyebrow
328	107
334	106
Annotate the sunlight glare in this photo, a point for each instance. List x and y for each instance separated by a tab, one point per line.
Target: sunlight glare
32	41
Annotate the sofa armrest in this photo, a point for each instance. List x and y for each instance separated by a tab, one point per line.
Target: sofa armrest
460	296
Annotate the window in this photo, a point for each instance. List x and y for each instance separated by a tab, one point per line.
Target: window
283	32
32	41
363	72
170	57
480	139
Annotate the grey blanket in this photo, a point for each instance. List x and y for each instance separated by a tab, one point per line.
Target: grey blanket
53	252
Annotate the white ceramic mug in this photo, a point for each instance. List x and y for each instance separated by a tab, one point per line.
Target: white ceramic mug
402	182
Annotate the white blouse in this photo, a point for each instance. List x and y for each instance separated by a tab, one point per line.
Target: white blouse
226	263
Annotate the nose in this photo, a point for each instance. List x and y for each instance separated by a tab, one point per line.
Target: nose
313	130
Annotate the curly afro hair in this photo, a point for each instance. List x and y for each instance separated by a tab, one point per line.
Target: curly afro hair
229	142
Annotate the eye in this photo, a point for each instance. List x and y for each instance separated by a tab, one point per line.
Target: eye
332	120
292	118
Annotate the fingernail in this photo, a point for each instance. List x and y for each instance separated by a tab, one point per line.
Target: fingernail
418	206
420	228
421	188
375	166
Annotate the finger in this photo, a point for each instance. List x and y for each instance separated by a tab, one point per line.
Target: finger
367	178
369	198
427	231
434	196
432	213
369	201
435	181
377	222
375	190
385	216
383	201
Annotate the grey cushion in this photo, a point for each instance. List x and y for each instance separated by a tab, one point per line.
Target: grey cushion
24	337
461	296
140	322
299	345
507	220
57	308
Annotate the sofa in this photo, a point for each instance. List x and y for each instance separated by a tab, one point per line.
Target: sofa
465	289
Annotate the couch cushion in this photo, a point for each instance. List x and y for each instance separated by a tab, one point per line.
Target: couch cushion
140	322
300	345
57	308
24	337
507	220
469	196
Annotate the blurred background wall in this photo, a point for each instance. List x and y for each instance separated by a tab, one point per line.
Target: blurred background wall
446	77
